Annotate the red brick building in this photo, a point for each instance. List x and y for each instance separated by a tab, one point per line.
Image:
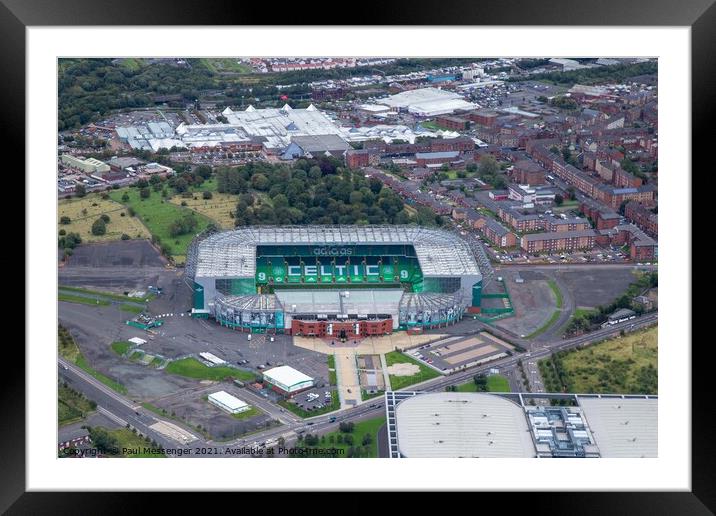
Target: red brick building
642	217
453	123
349	329
357	158
558	241
527	172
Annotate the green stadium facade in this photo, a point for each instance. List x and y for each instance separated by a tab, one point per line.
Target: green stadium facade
335	281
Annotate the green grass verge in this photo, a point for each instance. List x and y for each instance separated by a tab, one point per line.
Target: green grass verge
109	382
369	426
158	215
107	295
69	298
246	414
335	405
495	383
400	382
332	377
70	351
364	395
121	347
545	326
130	445
192	368
163	413
557	292
72	406
134	309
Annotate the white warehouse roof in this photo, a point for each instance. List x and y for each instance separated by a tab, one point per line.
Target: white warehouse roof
225	399
428	101
286	375
450	424
623	427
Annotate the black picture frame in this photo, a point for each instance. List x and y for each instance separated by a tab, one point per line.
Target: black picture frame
700	15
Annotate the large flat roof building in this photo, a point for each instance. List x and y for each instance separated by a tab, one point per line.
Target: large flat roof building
457	424
623	427
449	424
428	102
287	380
227	402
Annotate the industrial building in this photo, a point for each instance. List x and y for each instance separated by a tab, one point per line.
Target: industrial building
428	102
287	380
227	402
86	165
467	424
340	281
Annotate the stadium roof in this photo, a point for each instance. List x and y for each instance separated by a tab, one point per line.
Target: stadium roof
623	427
286	375
232	254
452	424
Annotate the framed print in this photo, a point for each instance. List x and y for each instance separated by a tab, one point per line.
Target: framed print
432	245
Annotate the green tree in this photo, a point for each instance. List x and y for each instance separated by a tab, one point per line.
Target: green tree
65	220
99	227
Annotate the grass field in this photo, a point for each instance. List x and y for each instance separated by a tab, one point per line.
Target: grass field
400	382
192	368
158	215
82	223
72	406
107	295
132	64
217	208
225	64
370	450
121	347
625	365
332	378
495	383
335	405
71	298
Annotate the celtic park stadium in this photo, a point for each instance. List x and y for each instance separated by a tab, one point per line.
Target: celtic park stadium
333	281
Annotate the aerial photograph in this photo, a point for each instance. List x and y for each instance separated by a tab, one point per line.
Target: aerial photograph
357	257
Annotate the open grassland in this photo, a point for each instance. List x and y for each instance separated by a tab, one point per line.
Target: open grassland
192	368
81	223
400	382
158	215
624	365
225	64
218	208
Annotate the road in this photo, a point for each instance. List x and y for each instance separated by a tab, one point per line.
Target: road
119	408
